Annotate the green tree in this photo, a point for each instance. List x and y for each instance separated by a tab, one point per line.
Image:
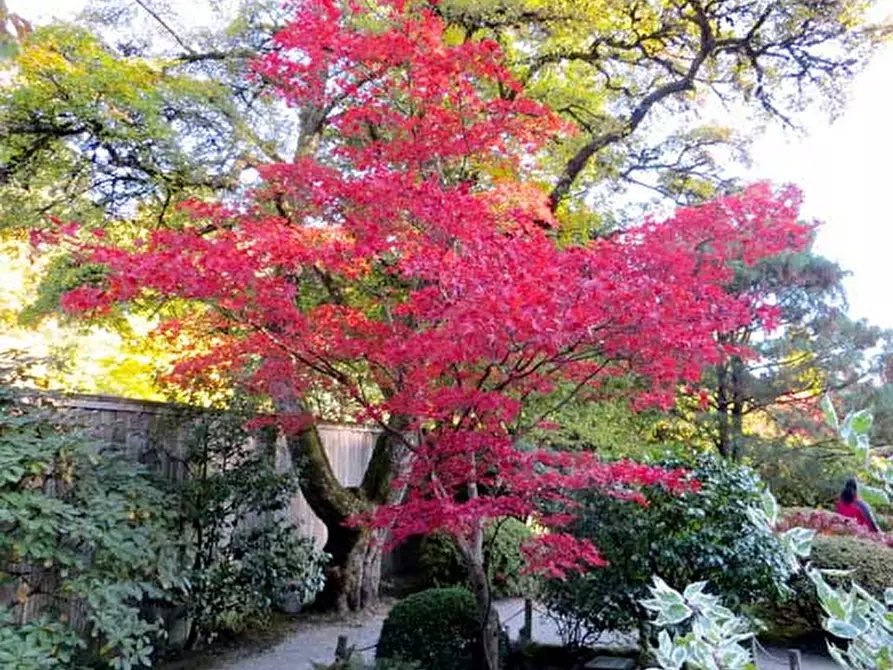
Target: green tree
815	348
632	77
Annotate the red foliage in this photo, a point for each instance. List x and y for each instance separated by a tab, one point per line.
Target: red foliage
393	271
829	523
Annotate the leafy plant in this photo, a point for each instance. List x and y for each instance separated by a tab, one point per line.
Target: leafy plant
867	563
854	431
86	536
442	562
862	620
438	628
721	533
849	560
246	556
709	635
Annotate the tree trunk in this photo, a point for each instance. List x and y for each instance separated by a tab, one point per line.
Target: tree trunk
724	433
354	573
480	582
490	621
737	428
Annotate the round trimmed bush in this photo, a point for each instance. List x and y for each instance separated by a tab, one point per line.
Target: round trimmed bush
800	615
871	562
437	628
442	564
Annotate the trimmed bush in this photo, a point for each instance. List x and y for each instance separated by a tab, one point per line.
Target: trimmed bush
441	563
799	616
437	628
703	535
871	562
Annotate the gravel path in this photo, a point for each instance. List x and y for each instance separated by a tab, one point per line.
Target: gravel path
314	642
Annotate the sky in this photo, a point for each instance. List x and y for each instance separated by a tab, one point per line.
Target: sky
844	170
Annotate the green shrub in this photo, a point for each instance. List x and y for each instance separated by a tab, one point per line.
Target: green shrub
703	535
871	563
79	525
441	562
84	526
802	476
246	556
799	615
438	628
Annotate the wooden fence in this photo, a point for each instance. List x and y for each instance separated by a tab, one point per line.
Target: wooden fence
156	433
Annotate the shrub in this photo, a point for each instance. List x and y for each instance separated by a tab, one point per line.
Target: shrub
80	526
441	562
705	535
829	523
246	556
871	562
437	628
802	476
800	614
85	529
863	622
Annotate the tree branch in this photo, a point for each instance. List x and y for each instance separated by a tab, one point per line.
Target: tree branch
167	28
581	159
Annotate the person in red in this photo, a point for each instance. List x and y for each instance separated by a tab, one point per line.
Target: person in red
850	505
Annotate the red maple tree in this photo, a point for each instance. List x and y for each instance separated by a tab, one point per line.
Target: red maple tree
405	265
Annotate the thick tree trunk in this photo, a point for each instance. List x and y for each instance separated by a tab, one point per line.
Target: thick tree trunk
354	573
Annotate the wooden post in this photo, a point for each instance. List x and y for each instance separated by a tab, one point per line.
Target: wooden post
526	633
794	659
341	648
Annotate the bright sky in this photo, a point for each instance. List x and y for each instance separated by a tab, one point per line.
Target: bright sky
843	169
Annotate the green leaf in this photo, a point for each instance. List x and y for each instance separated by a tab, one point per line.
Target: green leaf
830	413
694	589
674	614
863	449
842	629
799	541
679	657
860	422
770	507
838	655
